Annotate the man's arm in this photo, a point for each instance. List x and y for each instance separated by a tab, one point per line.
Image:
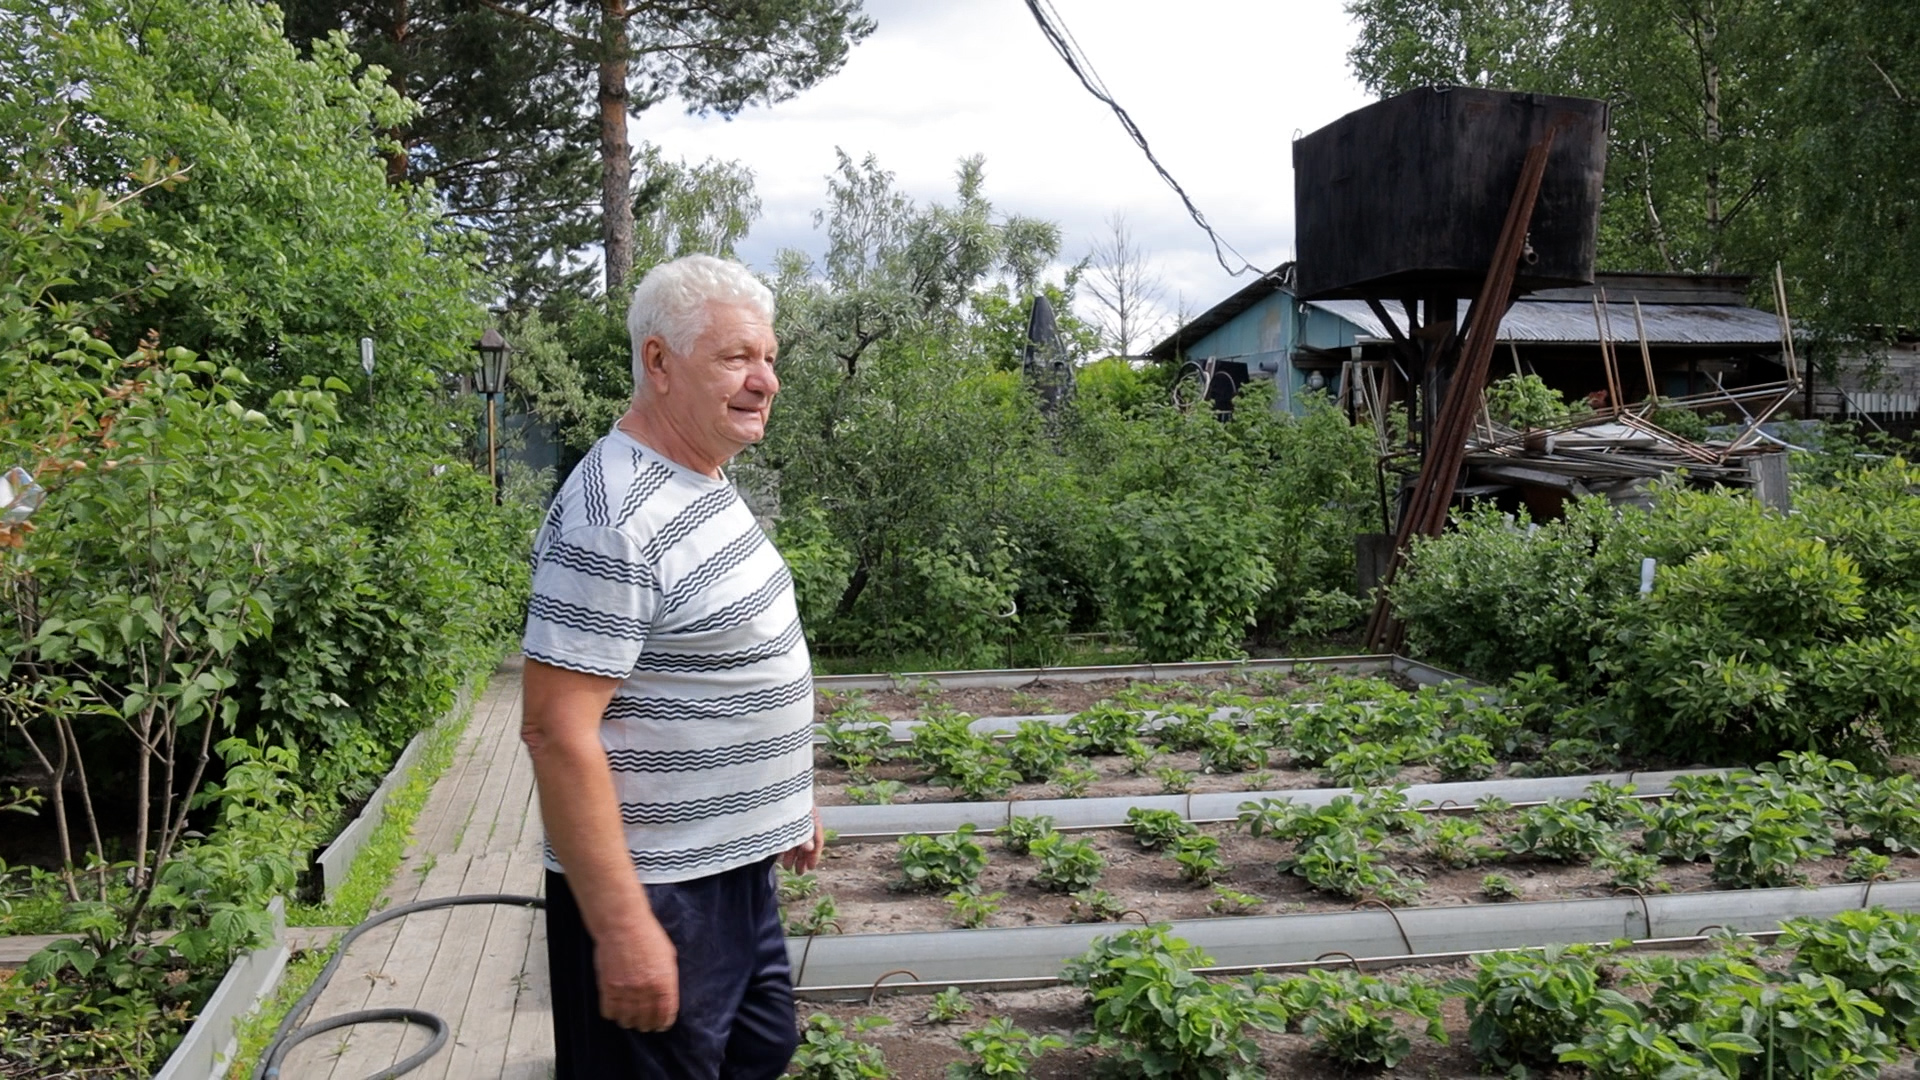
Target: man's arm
635	961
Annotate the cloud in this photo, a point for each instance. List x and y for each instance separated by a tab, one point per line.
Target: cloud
1220	88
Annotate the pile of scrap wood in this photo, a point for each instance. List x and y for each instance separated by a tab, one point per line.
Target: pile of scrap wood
1616	452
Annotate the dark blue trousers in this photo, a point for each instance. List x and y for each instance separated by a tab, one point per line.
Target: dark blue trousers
736	1018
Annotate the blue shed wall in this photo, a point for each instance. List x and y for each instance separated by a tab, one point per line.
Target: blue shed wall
1267	333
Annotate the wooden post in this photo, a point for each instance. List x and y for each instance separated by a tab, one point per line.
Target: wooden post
493	463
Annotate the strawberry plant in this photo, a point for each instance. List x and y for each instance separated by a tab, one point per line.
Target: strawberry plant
1520	1005
941	863
857	738
1337	863
793	888
1865	865
1762	835
1154	1016
1456	843
1463	757
821	918
830	1050
1019	833
1038	750
875	793
947	1006
972	910
1199	858
1174	780
1066	865
1560	830
1499	887
1094	905
1875	951
1888	812
1352	1018
1158	828
1185	727
1106	729
1075	778
1228	902
1001	1050
1227	749
1627	869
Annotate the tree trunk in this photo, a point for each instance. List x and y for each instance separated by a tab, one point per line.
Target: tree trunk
616	156
1710	102
397	164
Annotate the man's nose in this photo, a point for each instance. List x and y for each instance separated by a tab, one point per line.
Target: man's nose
761	378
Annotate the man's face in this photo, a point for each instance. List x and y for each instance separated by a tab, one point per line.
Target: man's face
716	396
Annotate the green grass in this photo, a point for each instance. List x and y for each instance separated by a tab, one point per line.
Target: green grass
1061	654
372	871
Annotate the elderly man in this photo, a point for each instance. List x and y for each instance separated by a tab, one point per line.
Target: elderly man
669	708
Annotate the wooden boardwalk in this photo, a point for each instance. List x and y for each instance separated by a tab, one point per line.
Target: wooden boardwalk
483	969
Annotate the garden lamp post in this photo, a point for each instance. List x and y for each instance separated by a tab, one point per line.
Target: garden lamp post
491	378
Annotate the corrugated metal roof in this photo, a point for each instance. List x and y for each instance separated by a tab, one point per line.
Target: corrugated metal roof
1547	321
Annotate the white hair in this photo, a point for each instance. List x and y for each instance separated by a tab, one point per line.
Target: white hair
671	302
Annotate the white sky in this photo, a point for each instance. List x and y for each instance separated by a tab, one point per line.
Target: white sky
1219	87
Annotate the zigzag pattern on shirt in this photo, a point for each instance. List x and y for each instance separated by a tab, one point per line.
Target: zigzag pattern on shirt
738	802
594	564
738	550
585	619
593	487
573	665
710	757
719	708
766	843
742	610
696	513
652	479
680	663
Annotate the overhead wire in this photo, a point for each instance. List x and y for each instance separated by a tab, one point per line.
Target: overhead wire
1054	29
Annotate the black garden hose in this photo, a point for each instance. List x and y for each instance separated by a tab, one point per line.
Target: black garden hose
289	1035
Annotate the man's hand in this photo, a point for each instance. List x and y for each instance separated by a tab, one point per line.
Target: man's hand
805	855
639	977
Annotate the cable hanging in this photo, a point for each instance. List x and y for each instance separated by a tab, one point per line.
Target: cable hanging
1055	30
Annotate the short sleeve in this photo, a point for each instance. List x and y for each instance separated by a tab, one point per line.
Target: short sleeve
593	605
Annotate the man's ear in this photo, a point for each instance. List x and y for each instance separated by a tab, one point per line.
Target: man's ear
653	362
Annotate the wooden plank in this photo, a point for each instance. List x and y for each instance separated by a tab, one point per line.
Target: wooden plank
530	1043
449	980
481	1035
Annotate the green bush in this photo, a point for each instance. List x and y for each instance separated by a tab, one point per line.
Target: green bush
1521	1005
1186	576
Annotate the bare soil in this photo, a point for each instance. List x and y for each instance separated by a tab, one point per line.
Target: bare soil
861	877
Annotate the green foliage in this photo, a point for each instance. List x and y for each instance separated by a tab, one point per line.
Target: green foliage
1067	866
1227	749
1352	1018
1521	1005
1363	765
1158	828
1020	831
1106	729
1865	865
1173	779
958	757
1525	401
952	861
1560	830
1455	842
830	1050
1186	579
1199	858
1094	905
1038	750
1338	863
1763	632
1463	757
947	1006
1499	887
876	793
1155	1016
1001	1050
1875	952
972	910
1230	902
1075	778
821	918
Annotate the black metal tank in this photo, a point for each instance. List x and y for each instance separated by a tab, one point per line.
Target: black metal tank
1406	196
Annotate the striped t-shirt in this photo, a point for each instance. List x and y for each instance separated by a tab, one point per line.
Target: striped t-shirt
656	574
